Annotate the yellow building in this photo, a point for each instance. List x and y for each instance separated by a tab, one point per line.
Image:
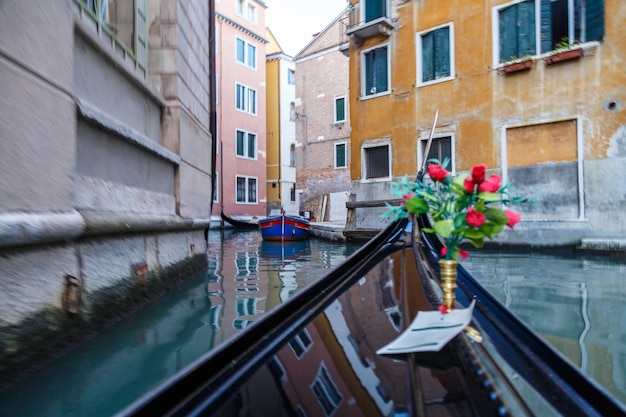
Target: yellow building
534	89
281	128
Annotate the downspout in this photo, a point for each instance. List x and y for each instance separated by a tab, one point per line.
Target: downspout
213	101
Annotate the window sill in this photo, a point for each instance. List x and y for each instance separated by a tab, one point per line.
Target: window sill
384	93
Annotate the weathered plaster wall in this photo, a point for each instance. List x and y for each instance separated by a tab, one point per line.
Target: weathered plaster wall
514	123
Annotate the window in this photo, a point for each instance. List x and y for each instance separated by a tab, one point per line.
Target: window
340	109
340	155
245	99
292	155
435	55
326	391
375	71
246	9
535	26
291	77
300	343
440	149
246	144
373	9
246	307
246	190
377	162
293	192
122	24
246	53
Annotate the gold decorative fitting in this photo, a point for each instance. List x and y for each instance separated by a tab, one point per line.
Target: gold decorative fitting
448	281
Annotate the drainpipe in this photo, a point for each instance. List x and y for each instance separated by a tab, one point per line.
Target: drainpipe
213	103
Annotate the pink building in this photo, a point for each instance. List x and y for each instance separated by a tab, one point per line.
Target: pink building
240	71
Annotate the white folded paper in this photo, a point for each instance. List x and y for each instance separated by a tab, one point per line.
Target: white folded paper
430	331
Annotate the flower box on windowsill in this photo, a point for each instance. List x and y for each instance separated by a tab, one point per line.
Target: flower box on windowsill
564	56
518	66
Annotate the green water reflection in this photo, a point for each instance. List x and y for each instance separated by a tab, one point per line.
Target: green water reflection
576	303
245	278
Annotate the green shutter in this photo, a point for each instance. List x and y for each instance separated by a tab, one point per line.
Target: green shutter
428	54
374	9
340	158
141	47
340	109
546	26
508	33
526	34
517	31
442	53
594	19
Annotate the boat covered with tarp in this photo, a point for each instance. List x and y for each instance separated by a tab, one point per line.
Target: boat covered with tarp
318	354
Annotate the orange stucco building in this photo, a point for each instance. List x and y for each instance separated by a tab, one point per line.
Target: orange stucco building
555	129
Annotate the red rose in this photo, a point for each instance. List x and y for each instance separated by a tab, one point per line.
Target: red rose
443	308
407	197
444	251
474	218
491	185
513	217
469	185
436	172
464	254
478	173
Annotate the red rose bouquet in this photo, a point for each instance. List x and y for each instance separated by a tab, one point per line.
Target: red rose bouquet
468	207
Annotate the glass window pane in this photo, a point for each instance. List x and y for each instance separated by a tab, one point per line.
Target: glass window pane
241	51
251	145
240	138
252	56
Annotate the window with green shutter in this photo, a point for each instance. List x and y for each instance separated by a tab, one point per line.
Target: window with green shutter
376	71
375	9
340	155
340	109
560	23
436	55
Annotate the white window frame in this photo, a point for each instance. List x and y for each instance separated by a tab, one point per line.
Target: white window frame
291	76
419	54
248	61
345	144
375	144
246	139
217	188
495	29
246	190
424	138
365	96
249	105
345	109
324	381
302	344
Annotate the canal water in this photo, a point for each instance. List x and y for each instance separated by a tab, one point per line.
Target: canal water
575	303
246	277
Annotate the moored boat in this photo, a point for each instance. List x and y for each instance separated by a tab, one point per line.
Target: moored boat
279	226
238	223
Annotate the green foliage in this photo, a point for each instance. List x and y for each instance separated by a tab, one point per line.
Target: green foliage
448	201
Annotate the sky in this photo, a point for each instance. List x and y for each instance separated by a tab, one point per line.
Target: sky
293	22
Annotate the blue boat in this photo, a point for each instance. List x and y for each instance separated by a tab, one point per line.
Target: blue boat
283	227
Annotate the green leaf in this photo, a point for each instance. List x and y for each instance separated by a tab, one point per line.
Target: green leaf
417	205
489	197
444	228
473	234
496	215
478	243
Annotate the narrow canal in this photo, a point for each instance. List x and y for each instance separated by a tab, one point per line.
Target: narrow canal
246	277
576	303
